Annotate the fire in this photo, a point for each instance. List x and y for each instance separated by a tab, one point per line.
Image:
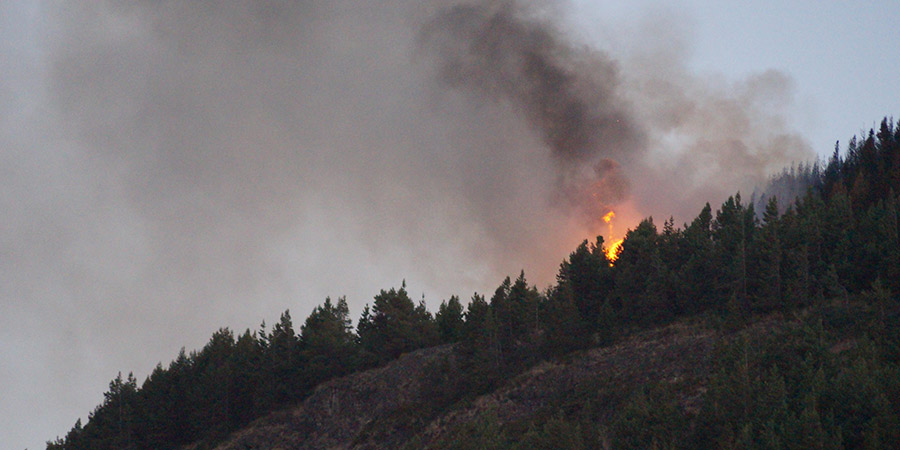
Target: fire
608	219
613	251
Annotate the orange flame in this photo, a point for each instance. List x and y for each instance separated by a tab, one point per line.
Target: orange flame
613	251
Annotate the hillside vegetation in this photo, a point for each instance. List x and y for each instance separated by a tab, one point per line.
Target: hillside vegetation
742	329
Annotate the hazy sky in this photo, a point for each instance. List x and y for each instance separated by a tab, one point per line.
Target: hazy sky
170	168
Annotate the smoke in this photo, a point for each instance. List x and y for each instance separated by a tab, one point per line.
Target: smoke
569	98
642	120
494	52
181	166
707	136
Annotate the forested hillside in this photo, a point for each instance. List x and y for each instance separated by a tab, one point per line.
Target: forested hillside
825	267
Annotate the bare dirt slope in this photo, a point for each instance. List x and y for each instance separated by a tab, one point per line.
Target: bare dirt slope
338	411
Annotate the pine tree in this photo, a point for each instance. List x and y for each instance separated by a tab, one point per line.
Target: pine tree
838	229
767	258
515	308
587	275
480	345
449	319
674	254
732	231
696	278
214	386
395	325
327	342
640	277
283	362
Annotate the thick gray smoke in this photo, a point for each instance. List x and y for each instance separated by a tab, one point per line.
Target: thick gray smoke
492	50
569	98
173	167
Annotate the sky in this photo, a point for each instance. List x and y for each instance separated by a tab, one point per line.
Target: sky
171	168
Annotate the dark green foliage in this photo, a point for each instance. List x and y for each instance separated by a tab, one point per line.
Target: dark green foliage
480	346
790	391
112	424
765	262
449	319
648	421
640	277
839	224
733	231
565	328
395	326
327	342
515	310
696	276
283	362
674	254
878	245
587	276
247	383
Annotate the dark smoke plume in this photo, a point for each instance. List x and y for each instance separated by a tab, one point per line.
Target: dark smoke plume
570	98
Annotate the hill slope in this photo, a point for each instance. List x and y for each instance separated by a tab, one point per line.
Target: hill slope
388	407
339	412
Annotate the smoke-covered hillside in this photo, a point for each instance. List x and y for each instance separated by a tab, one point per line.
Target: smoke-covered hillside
822	278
